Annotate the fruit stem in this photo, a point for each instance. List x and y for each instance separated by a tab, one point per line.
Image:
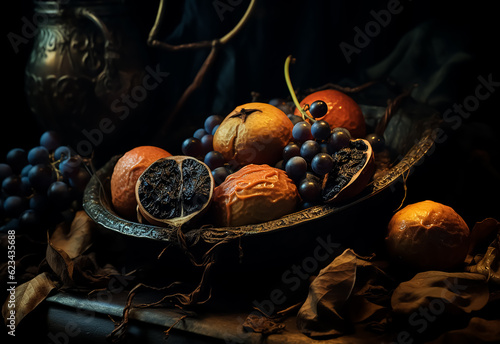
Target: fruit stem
289	60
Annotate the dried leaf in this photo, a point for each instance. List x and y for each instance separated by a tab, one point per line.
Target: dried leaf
489	263
477	331
74	238
458	292
67	243
360	309
27	297
482	231
60	262
320	313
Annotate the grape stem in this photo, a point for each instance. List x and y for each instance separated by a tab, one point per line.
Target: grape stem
304	114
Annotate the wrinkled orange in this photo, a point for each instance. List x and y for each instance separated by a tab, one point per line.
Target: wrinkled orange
428	235
253	133
125	174
343	111
254	194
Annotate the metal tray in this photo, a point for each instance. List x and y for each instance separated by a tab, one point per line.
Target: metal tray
409	135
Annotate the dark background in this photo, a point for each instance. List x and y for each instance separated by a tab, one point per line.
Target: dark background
464	170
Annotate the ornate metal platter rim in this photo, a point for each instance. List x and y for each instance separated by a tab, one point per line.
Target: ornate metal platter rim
94	198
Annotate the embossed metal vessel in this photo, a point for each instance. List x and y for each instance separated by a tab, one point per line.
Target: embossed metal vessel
409	136
86	56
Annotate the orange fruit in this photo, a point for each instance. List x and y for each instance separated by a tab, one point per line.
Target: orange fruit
125	174
253	133
428	235
342	112
254	194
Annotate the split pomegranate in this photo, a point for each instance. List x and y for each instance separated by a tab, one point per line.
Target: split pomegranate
353	169
174	190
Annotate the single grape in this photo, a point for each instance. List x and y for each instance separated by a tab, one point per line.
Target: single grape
280	165
301	131
41	176
26	170
277	101
71	166
322	163
50	140
291	149
39	202
12	185
59	194
215	129
26	189
80	180
211	121
12	224
281	104
309	190
295	119
321	130
339	139
220	174
192	147
29	219
16	158
318	109
296	168
309	149
199	133
38	155
62	153
5	171
376	141
207	143
323	147
14	206
214	159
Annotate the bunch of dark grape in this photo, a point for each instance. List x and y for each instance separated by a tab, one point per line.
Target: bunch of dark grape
41	186
309	156
200	146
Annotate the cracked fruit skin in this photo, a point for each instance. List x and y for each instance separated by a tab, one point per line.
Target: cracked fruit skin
173	191
253	133
125	174
428	235
343	111
254	194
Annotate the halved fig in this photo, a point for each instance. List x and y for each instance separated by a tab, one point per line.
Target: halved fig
174	190
353	169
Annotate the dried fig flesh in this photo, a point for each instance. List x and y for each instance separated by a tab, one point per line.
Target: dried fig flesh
353	169
174	190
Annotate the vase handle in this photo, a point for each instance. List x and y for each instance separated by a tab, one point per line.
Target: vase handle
109	79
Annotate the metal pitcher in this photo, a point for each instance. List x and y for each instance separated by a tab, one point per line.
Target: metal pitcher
86	56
